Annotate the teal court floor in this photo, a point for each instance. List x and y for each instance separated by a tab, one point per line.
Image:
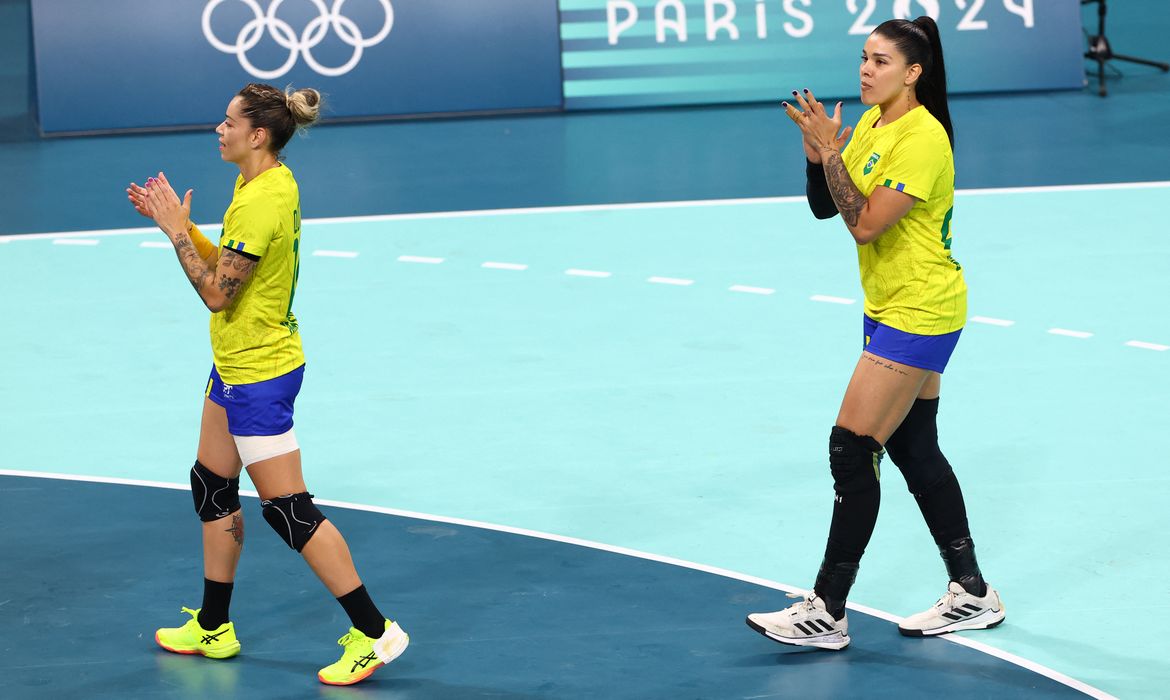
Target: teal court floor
587	440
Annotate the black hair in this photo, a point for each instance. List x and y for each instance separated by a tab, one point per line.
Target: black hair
920	43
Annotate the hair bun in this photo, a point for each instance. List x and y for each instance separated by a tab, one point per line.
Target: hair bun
304	105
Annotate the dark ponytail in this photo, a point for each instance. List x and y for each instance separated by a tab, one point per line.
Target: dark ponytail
920	43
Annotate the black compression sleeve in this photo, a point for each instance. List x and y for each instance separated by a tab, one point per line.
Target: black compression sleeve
820	200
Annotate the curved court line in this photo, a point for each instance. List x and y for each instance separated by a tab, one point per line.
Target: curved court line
574	208
726	573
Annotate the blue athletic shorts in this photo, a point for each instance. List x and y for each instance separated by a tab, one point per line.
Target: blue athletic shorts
930	352
262	408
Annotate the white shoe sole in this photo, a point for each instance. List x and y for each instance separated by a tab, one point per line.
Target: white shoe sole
983	621
833	642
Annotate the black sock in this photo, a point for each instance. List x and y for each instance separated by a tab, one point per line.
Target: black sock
363	613
216	599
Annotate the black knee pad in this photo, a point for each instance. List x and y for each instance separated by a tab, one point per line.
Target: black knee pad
215	496
914	449
294	518
855	461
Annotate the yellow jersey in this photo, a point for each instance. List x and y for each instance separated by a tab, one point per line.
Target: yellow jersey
255	338
911	282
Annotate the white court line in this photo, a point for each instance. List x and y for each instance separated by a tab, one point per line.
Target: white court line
1147	346
587	273
671	280
536	534
1070	334
831	300
750	290
155	244
606	207
76	241
420	259
335	254
992	321
491	265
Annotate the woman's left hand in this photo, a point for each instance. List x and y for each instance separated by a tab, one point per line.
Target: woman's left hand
819	129
163	205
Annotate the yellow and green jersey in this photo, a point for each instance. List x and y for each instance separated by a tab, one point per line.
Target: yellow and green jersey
255	338
911	282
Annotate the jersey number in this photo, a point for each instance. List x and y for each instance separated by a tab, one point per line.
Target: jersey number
296	259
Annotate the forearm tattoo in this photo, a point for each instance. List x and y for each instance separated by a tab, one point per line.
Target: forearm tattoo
197	270
850	201
237	529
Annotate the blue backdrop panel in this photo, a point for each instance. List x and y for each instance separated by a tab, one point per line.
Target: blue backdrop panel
120	64
622	53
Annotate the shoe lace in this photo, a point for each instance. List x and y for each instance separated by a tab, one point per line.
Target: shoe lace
345	639
807	606
947	602
193	613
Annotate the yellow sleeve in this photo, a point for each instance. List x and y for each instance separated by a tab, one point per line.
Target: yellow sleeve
914	164
253	226
202	246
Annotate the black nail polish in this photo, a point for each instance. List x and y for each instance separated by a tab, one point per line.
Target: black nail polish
794	93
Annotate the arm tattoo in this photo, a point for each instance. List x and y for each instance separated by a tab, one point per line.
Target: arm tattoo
197	270
237	529
242	265
229	285
850	201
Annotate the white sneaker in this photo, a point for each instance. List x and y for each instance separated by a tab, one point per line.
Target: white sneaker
803	624
957	610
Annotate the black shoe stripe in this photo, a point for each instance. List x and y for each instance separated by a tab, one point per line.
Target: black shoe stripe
972	608
952	616
804	630
827	627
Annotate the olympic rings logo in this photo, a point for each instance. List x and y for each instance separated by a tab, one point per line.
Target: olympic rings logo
282	33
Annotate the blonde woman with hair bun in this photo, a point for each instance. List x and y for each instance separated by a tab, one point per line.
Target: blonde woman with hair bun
248	281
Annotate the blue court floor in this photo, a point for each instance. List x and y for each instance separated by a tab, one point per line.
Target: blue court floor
491	614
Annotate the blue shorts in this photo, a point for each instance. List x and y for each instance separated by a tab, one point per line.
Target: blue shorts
930	352
262	408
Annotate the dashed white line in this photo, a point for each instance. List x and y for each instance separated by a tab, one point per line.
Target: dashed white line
671	280
420	259
587	273
155	244
1070	334
750	290
492	265
832	300
1003	323
1147	346
335	253
75	241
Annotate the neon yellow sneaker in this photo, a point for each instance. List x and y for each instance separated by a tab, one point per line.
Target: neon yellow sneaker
219	643
363	656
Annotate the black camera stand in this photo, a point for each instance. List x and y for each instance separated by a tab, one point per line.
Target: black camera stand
1101	52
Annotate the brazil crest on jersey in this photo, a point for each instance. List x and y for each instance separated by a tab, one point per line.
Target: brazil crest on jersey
255	338
911	282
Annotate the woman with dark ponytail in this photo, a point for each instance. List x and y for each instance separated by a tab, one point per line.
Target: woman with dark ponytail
894	187
248	280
